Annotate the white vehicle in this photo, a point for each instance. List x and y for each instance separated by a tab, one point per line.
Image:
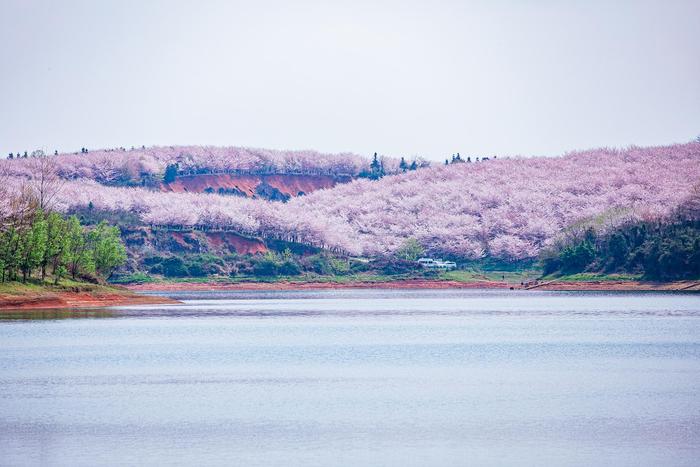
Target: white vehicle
430	263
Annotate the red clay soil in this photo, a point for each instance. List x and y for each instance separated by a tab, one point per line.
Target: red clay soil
242	245
294	184
179	238
288	184
421	284
77	300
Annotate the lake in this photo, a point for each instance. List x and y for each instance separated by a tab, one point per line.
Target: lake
356	378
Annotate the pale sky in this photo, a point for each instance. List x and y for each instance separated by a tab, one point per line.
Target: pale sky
397	77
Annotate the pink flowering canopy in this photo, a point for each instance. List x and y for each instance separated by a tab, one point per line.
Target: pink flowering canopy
109	165
508	208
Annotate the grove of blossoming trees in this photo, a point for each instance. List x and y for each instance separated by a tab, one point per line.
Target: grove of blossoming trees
115	165
505	208
508	208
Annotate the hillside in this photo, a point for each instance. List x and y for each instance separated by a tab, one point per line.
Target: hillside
139	166
246	172
276	187
508	208
504	208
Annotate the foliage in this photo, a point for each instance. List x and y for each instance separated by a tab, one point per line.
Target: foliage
507	209
289	268
78	255
187	266
141	165
575	258
52	244
267	266
107	249
659	249
411	250
326	264
34	238
393	266
135	278
174	266
170	173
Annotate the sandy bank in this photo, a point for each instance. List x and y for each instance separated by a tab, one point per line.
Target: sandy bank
66	299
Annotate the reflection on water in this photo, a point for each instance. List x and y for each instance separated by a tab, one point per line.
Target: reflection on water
350	303
357	378
56	313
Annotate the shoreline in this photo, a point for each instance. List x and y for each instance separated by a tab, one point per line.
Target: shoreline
130	294
553	285
292	285
71	299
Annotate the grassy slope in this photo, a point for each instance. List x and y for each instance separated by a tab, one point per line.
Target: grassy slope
34	286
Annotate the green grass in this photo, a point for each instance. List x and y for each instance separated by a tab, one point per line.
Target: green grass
467	275
36	286
136	278
589	276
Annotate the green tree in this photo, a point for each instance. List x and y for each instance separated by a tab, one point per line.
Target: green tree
376	168
5	240
78	257
170	173
108	250
575	258
56	243
411	250
618	249
33	246
268	265
174	266
289	268
9	249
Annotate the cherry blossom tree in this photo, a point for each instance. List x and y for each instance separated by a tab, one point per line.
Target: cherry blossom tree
507	208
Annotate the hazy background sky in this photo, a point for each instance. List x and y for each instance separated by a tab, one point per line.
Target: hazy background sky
400	78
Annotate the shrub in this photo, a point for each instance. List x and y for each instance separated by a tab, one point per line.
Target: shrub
575	258
265	267
392	266
320	264
174	266
135	278
289	268
358	266
660	250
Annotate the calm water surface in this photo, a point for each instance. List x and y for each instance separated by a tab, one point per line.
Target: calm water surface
361	377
